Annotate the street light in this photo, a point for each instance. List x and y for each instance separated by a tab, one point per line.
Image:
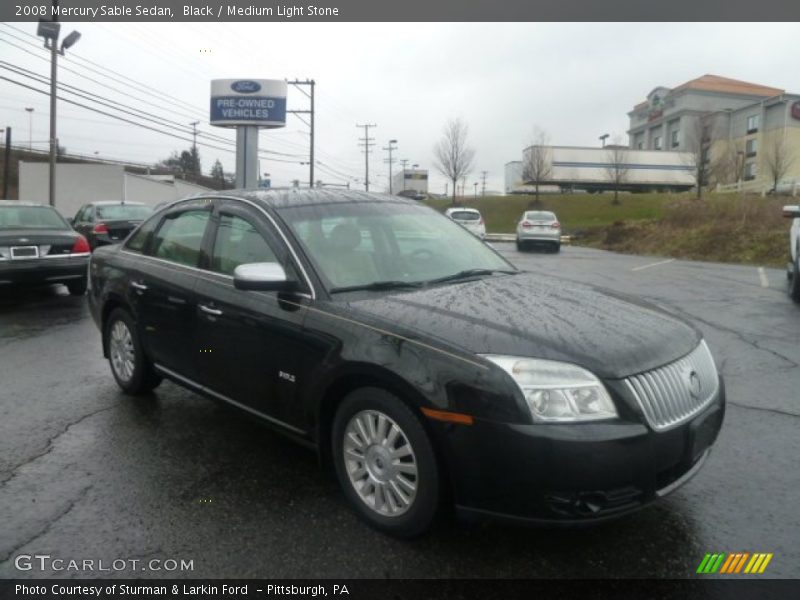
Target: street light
476	188
30	127
49	30
391	148
603	139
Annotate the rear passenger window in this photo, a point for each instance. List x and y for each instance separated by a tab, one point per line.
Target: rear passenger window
238	243
179	238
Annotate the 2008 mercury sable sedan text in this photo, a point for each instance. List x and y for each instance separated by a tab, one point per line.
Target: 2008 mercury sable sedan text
419	363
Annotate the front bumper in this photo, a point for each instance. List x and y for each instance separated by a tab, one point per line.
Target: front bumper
574	473
43	270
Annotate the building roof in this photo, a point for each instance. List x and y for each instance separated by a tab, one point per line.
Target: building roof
725	85
722	85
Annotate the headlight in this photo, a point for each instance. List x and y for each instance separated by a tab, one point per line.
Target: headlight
557	391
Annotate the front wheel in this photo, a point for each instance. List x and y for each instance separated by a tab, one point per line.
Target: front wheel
794	282
385	463
130	367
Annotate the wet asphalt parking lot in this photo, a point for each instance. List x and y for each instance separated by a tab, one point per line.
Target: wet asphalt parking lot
87	473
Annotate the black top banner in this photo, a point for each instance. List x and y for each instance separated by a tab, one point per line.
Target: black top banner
407	10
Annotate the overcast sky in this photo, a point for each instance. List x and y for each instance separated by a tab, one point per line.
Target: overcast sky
576	81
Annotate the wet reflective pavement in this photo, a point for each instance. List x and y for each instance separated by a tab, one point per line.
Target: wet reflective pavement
87	473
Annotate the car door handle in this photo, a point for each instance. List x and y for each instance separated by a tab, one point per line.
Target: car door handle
211	311
138	286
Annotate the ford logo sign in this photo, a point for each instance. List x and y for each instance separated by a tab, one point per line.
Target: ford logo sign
246	86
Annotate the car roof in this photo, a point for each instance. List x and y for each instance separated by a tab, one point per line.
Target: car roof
291	197
113	202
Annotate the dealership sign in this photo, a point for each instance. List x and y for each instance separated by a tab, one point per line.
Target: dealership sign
243	102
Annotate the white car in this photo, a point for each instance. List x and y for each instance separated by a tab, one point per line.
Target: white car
469	218
793	270
538	227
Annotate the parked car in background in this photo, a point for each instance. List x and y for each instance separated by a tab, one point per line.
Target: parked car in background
469	218
109	222
413	194
538	227
793	268
419	363
37	246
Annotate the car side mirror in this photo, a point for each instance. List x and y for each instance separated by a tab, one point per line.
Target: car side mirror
262	277
791	211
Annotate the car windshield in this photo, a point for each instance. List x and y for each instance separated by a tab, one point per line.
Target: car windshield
114	212
539	215
465	215
358	243
31	217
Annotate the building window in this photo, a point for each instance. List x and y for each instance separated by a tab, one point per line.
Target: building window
749	171
752	123
657	142
751	147
674	138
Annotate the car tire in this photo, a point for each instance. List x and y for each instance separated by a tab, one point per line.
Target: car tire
402	502
77	288
556	248
132	370
794	282
520	246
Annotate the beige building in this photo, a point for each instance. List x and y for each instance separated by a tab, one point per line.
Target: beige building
745	133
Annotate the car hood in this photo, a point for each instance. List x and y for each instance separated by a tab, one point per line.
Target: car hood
534	316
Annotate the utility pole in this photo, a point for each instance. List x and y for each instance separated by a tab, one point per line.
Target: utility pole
404	162
483	182
390	160
30	127
7	164
310	95
366	142
194	125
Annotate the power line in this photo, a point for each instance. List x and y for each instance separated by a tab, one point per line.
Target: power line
366	142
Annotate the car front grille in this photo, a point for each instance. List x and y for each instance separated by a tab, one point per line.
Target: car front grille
673	394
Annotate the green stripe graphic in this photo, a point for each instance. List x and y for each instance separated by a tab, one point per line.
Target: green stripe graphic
702	567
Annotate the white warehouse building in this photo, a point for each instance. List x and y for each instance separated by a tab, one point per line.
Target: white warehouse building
410	180
593	169
77	184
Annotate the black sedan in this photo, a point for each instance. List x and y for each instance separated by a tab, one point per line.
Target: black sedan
37	246
110	221
418	363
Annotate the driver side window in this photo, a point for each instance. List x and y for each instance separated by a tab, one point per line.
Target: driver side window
237	243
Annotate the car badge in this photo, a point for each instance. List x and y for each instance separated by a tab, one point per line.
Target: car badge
693	383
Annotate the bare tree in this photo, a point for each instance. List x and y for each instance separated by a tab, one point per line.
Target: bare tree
778	158
617	169
453	157
727	163
698	147
536	163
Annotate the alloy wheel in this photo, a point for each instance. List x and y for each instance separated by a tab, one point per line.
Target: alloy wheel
380	463
122	351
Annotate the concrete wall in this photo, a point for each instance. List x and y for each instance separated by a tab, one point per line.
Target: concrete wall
77	184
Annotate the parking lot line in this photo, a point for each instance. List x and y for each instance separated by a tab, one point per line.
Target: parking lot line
762	275
655	264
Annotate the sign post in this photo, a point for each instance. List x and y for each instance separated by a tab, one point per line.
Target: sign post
248	105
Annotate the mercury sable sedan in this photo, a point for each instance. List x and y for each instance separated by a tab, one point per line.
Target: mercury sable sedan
422	367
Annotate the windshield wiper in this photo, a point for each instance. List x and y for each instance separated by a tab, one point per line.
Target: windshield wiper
376	285
470	273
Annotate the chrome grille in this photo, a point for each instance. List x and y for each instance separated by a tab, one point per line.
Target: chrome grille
666	395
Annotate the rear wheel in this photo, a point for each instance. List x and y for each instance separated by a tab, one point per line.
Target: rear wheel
131	368
77	288
520	246
385	463
794	282
557	247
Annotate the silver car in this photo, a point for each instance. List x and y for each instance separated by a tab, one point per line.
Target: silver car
470	219
538	227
